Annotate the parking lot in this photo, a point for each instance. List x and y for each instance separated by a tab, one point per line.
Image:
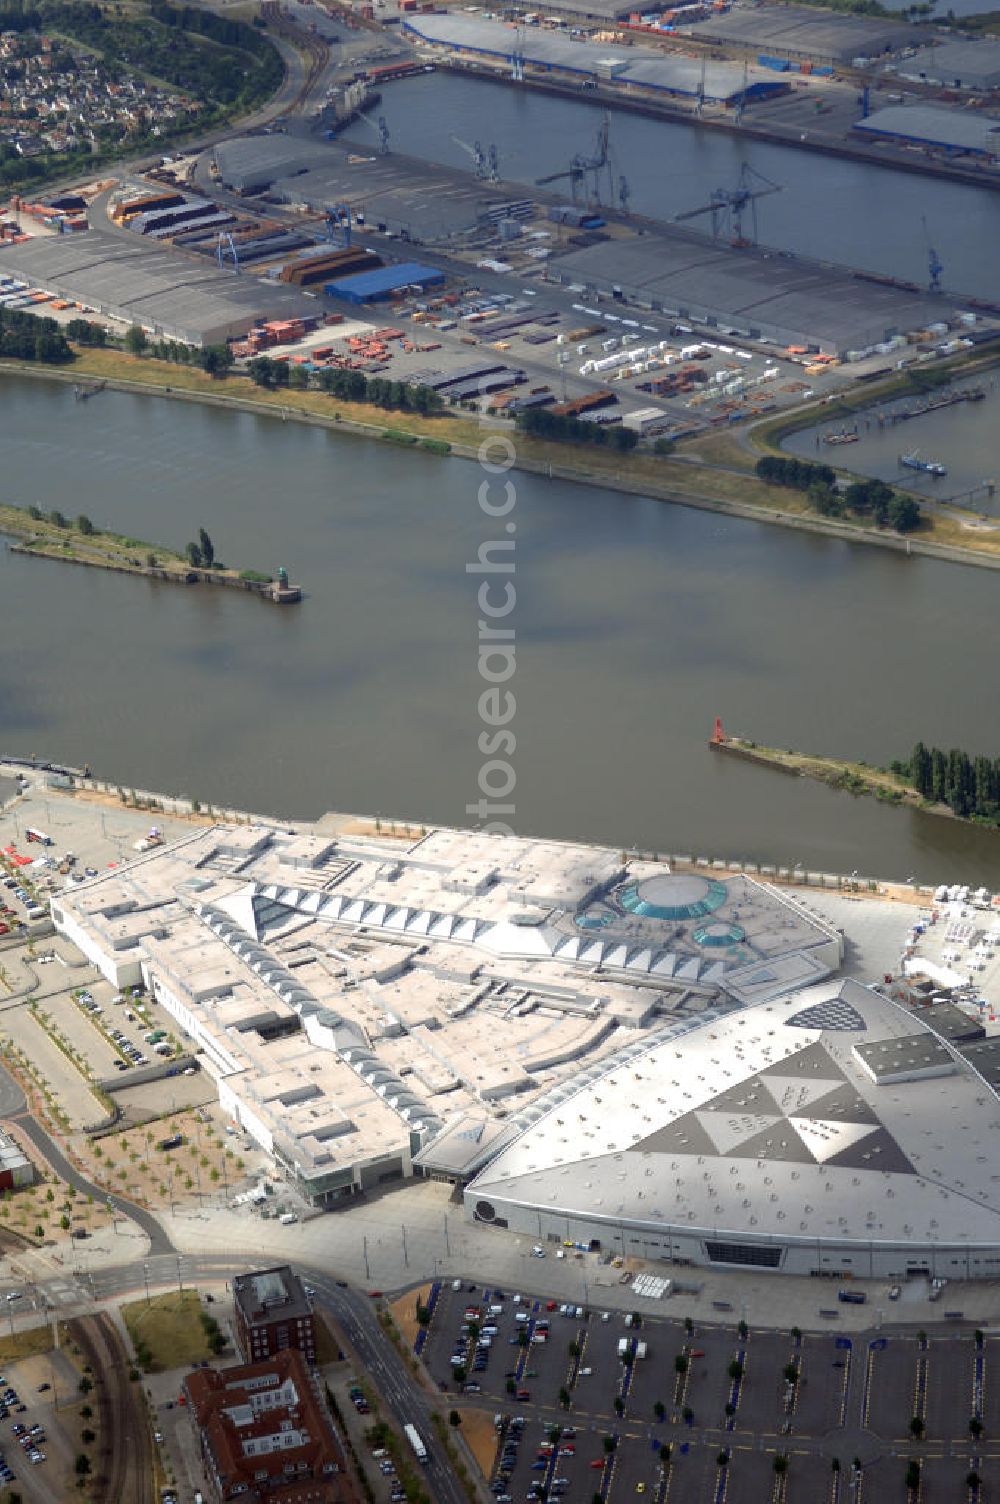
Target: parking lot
589	1400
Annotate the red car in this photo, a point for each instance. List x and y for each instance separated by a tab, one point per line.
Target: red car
550	1305
598	1462
524	1394
375	1294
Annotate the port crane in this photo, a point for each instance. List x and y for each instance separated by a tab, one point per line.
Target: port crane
727	206
934	266
487	163
226	245
381	130
340	224
582	165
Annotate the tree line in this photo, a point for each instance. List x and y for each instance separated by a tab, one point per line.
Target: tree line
25	336
348	386
862	498
970	786
562	429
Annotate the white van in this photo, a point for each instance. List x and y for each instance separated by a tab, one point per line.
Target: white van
287	1218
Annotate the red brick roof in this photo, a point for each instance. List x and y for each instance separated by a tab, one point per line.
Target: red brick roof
213	1394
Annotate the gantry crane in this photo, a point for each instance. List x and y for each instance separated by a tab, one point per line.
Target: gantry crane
487	163
582	165
727	206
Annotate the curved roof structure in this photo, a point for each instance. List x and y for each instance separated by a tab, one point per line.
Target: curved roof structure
830	1130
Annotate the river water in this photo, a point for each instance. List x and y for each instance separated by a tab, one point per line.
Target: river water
963	438
862	215
636	624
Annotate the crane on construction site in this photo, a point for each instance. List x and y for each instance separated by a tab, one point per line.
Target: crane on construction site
934	266
581	165
728	206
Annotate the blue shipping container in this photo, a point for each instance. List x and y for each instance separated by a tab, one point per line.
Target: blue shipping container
779	64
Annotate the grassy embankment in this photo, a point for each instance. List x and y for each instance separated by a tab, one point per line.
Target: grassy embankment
661	476
842	773
104	550
167	1331
713	471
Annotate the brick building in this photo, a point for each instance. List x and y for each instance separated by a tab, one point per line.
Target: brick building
272	1314
266	1436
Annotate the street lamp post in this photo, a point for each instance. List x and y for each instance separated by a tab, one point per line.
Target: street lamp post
145	1275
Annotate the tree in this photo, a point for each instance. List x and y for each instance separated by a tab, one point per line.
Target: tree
791	1373
917	1427
975	1427
609	1445
454	1418
688	1415
207	548
82	1465
680	1363
619	1405
972	1479
57	519
904	514
659	1409
743	1330
135	340
564	1397
735	1369
835	1464
920	770
216	360
193	555
84	525
913	1475
780	1465
665	1452
723	1458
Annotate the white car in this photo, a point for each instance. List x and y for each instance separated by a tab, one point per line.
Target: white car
538	1252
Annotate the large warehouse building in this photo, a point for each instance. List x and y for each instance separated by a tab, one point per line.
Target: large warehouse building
954	133
803	34
780	297
827	1133
956	65
630	69
123	277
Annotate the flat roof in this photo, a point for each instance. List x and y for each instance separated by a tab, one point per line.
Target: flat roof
960	59
270	1294
127	278
778	294
935	126
668	71
806	32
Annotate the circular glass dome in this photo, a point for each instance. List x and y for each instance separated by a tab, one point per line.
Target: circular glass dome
673	896
719	934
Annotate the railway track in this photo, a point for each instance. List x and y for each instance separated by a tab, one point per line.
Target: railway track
124	1467
316	50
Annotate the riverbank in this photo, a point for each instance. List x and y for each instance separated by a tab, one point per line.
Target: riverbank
840	773
693	478
44	537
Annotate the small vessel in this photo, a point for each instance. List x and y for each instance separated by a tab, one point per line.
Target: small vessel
842	436
926	467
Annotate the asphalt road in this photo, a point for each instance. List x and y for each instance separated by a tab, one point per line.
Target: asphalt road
354	1314
14	1109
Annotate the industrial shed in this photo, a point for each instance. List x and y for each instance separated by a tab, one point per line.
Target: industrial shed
170	296
956	65
807	35
953	131
630	68
368	287
249	164
780	297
